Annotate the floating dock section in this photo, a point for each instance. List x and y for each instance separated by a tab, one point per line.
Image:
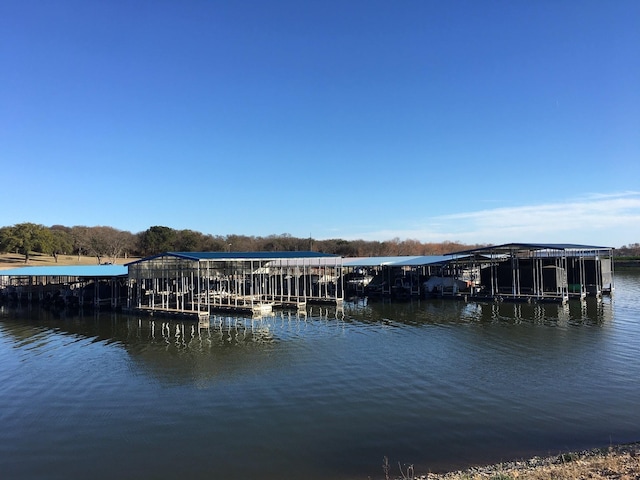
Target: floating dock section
198	283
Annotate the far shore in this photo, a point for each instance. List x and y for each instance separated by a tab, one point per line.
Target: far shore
625	263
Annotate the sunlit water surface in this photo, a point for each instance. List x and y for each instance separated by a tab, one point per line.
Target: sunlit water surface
437	384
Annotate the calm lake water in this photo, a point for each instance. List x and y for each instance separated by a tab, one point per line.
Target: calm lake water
438	384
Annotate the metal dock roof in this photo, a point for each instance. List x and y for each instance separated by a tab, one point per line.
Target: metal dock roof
508	247
67	271
402	261
197	256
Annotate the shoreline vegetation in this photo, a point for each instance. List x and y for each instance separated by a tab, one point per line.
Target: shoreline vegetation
620	462
623	263
104	243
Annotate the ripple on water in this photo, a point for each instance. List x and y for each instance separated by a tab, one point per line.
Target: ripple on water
328	394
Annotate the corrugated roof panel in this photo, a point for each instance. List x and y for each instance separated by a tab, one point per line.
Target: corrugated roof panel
531	246
315	261
68	271
250	255
197	256
426	260
400	261
371	261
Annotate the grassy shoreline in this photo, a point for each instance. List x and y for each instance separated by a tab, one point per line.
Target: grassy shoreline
14	260
621	462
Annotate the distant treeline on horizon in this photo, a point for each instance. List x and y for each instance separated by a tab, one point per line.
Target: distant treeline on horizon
109	242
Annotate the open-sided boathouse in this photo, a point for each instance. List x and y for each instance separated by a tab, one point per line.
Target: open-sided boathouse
69	285
509	272
537	272
198	283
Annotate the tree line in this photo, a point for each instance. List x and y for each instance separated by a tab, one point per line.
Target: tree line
629	251
108	243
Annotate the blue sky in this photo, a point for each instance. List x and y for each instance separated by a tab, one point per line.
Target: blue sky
472	121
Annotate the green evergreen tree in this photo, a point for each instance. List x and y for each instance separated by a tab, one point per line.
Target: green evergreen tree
25	238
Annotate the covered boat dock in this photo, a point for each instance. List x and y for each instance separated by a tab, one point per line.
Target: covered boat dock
198	283
539	272
64	286
396	277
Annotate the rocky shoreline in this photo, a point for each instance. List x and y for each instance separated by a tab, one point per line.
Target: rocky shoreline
620	462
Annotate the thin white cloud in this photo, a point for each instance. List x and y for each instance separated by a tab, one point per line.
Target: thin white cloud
611	219
598	196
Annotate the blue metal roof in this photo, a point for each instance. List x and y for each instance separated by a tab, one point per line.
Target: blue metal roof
400	261
68	271
197	256
552	246
532	246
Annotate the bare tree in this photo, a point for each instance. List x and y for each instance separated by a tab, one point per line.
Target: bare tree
101	242
80	239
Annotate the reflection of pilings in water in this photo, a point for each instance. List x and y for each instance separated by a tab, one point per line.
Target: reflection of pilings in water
495	311
564	314
596	309
539	313
178	337
326	313
183	335
583	310
517	313
166	333
536	313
